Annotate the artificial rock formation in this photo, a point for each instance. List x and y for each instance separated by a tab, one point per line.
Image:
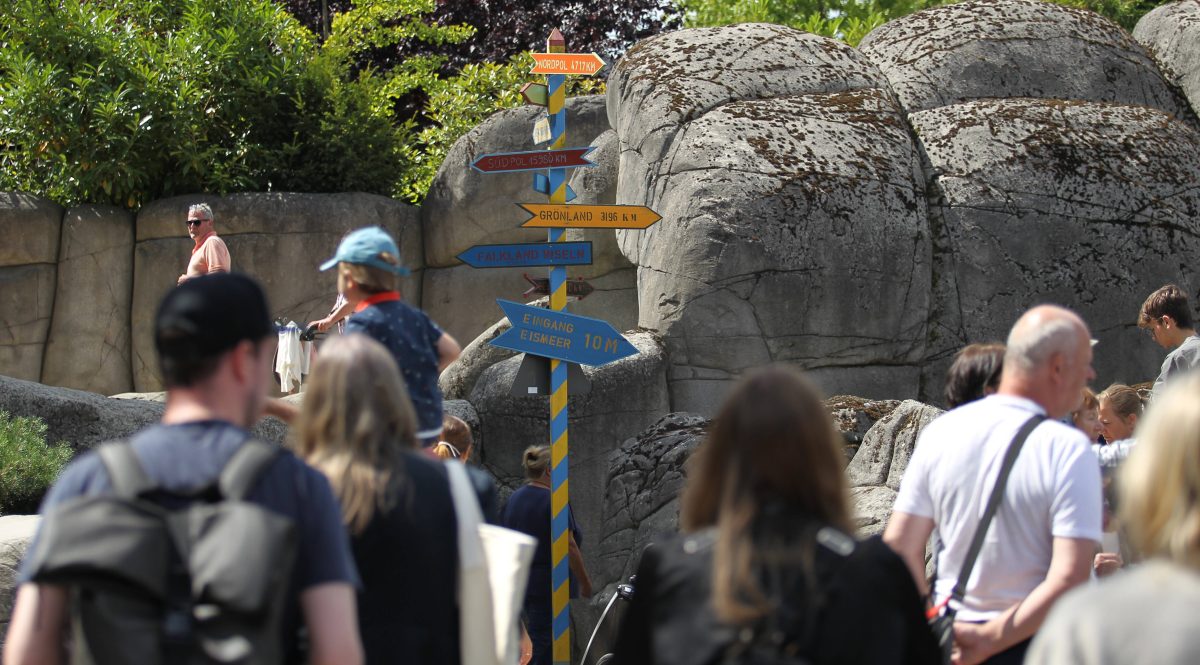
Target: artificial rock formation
84	419
865	213
1171	33
31	228
1092	205
986	49
794	217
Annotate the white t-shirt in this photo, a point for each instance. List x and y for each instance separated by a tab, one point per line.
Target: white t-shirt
1053	491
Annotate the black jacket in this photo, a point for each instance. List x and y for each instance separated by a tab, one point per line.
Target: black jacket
870	613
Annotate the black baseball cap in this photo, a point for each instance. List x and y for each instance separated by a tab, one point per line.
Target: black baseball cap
208	315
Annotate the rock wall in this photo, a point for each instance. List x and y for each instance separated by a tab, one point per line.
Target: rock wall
79	287
31	228
89	342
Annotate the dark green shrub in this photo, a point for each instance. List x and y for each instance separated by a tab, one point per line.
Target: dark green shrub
27	464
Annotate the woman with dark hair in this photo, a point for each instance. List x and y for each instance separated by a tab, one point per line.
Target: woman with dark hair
358	427
974	374
766	571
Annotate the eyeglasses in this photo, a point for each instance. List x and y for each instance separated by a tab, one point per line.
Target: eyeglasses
1149	329
196	222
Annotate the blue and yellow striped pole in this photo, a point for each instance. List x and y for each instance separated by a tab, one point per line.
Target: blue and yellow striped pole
560	576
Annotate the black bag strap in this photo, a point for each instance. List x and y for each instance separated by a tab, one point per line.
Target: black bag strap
243	469
125	472
993	504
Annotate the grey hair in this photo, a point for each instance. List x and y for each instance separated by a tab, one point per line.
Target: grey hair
201	208
1027	350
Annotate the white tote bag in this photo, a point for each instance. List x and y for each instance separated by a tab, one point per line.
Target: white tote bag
493	569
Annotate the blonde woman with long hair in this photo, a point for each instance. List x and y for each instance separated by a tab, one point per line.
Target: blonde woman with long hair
358	428
1148	614
767	570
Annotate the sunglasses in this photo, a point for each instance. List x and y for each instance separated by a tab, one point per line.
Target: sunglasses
196	222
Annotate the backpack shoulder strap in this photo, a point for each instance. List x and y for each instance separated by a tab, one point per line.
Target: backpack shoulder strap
125	472
243	469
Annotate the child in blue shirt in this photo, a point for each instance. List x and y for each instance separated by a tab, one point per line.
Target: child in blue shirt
368	263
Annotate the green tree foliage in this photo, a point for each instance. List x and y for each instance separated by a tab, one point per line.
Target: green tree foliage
126	101
27	464
851	20
847	20
129	100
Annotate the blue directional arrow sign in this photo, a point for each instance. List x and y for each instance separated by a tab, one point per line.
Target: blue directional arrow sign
528	254
568	337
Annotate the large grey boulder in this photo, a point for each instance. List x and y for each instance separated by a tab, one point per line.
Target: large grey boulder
279	239
1091	205
31	228
82	419
1015	48
888	445
1172	34
627	396
89	342
458	380
854	416
794	224
641	499
15	533
85	419
641	504
465	207
877	469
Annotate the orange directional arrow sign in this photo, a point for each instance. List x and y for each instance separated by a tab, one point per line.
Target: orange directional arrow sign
578	64
549	215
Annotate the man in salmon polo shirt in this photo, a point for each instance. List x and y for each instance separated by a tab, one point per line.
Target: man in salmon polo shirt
210	254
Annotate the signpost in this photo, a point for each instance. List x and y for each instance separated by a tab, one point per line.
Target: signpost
562	339
567	337
555	158
526	255
588	216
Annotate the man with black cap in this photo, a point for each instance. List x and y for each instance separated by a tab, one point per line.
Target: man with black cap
214	340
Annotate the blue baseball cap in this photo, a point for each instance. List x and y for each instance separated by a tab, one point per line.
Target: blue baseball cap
363	247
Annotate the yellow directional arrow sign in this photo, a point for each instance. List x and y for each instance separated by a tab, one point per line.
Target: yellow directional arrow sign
549	215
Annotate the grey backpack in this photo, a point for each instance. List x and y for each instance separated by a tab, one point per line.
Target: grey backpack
203	584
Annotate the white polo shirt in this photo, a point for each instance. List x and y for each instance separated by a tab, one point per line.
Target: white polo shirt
1054	491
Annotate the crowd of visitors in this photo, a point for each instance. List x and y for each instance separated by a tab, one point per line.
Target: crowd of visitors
1036	521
